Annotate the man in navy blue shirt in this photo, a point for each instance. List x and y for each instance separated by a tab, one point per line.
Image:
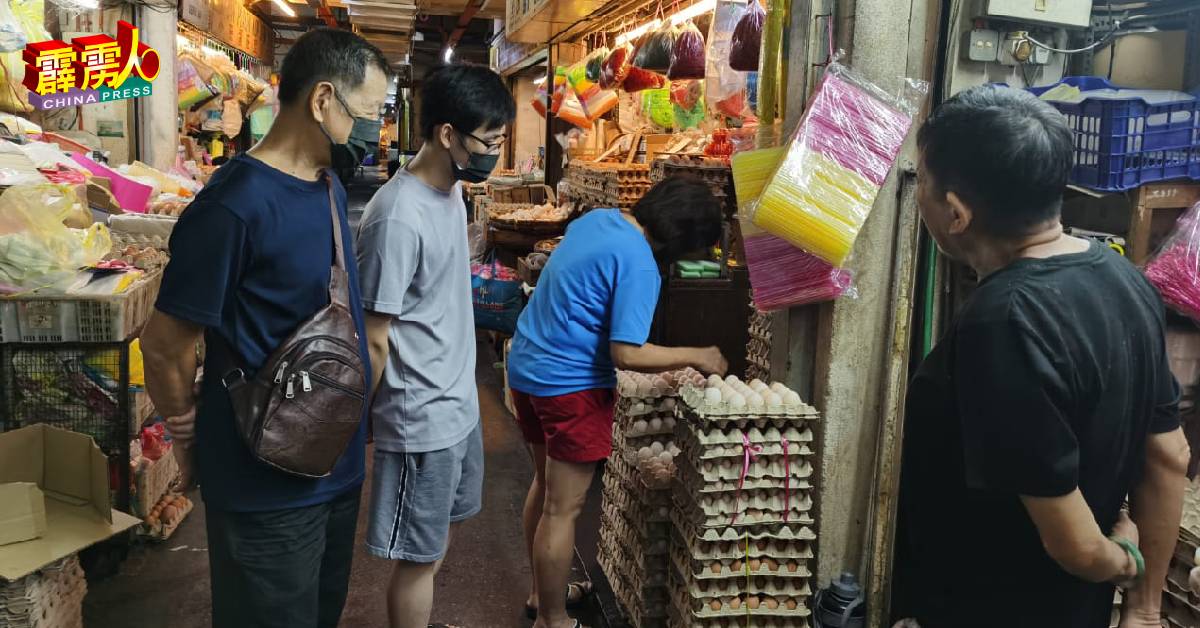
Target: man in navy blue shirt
250	261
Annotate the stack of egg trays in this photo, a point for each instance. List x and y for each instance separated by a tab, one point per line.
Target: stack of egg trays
758	348
710	586
635	523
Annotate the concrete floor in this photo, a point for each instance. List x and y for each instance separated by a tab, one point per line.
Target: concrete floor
483	583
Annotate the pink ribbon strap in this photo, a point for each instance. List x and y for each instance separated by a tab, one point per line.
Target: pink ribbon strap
750	452
787	482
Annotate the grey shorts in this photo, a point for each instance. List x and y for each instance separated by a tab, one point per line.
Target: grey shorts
416	496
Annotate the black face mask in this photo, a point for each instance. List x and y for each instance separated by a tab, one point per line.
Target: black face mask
479	165
342	150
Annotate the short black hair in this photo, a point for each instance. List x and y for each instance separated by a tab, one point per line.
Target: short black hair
327	54
681	216
465	96
1006	153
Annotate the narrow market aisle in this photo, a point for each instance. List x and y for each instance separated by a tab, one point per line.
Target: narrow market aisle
483	583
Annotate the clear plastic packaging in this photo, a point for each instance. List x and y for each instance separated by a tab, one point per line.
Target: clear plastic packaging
1175	269
725	88
639	79
655	52
687	55
36	248
747	39
821	193
616	67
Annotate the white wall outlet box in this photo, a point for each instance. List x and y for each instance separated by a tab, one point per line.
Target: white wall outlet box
982	45
1076	13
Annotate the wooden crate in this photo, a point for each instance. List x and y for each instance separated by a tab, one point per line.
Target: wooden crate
1150	200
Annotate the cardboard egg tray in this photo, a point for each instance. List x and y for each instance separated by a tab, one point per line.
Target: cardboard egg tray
639	407
638	517
652	593
761	547
706	437
688	511
790	568
652	570
51	597
736	607
710	481
734	604
641	531
780	532
675	620
640	607
780	416
769	501
722	471
632	430
651	506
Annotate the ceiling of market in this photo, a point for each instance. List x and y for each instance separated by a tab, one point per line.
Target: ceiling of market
417	30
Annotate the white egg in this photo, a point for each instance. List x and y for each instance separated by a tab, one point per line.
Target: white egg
726	464
669	404
657	447
773	399
659	381
791	398
666	456
778	388
736	400
668	423
656	424
637	408
639	427
714	380
757	384
732	379
644	389
673	449
755	400
713	395
645	453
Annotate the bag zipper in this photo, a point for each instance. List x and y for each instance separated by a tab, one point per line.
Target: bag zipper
291	386
336	385
305	382
279	373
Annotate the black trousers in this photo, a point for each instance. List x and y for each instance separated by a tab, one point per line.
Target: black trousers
284	568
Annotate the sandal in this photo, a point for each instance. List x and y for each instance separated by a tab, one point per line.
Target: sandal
585	589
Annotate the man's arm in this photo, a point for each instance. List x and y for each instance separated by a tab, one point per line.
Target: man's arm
378	327
649	358
1072	537
169	353
1157	506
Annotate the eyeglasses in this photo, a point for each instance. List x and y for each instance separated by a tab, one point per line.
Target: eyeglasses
491	146
349	111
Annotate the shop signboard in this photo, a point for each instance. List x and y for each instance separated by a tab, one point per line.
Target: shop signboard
91	69
196	13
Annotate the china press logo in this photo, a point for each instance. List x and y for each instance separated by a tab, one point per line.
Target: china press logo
90	69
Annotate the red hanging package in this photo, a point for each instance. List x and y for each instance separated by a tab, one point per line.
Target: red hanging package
747	39
616	67
686	93
640	79
687	55
655	52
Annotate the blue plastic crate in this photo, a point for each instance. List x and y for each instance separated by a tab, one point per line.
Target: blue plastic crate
1121	144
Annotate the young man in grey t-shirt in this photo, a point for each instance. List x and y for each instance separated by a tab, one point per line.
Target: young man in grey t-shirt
416	289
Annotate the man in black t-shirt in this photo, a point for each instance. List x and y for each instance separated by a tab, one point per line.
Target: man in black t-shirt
1047	404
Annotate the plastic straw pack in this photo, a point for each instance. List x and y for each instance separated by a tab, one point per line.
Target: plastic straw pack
821	193
1175	270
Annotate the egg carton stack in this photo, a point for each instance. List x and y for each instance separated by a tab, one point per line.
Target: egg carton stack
635	529
49	598
758	350
742	555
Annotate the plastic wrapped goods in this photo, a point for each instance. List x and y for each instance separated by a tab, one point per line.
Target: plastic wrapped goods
1175	270
687	55
655	52
821	193
747	39
36	248
725	88
639	79
616	67
783	276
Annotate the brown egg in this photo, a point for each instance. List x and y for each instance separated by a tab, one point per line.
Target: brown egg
752	602
791	603
771	603
755	565
772	564
715	567
762	545
169	514
760	583
736	566
152	521
735	603
715	605
793	566
703	586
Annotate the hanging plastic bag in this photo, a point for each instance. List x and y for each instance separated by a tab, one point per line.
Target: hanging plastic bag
689	117
560	89
191	87
616	67
595	63
12	36
599	102
571	110
655	52
747	39
539	99
640	79
1175	269
496	296
725	88
231	118
658	108
687	55
820	195
686	93
14	98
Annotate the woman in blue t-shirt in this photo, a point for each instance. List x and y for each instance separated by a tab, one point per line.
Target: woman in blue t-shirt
591	314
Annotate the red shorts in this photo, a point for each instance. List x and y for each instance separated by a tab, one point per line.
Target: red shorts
574	428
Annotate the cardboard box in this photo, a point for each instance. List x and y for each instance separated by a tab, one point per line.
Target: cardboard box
22	512
72	472
1145	60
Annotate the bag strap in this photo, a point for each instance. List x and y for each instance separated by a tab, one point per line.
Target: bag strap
339	259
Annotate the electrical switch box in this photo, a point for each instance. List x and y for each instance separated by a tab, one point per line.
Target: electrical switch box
982	45
1074	13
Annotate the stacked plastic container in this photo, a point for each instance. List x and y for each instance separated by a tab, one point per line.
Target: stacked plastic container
743	501
635	528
